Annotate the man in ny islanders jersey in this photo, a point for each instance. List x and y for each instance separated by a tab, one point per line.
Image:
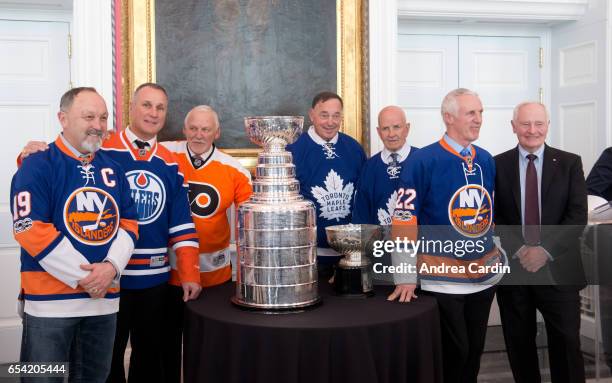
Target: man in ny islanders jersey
447	188
216	181
164	220
76	223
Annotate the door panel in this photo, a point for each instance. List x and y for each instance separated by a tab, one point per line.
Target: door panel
504	71
427	69
34	72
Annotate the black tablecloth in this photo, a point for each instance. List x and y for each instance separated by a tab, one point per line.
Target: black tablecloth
343	340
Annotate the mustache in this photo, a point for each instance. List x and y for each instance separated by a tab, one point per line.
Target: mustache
96	132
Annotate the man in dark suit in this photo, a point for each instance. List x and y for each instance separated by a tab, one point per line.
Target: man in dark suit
538	189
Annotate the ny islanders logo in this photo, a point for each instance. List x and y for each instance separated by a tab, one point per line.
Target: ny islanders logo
148	193
469	210
335	199
91	216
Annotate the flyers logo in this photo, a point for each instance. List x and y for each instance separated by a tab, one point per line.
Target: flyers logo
469	210
204	199
148	193
91	216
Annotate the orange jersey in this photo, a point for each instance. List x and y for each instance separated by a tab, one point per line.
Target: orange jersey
214	186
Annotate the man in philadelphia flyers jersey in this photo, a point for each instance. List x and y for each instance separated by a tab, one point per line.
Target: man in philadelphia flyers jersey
164	221
447	188
376	195
327	164
76	223
216	181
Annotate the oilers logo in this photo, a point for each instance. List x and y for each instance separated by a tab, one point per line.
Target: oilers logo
469	210
91	216
148	193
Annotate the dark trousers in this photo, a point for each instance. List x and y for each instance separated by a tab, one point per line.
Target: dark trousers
141	318
560	308
173	338
463	321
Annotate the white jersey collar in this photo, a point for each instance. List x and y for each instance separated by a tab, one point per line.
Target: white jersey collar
403	153
133	137
318	140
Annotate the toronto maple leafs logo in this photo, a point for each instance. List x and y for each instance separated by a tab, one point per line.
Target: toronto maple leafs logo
335	200
329	151
384	216
393	171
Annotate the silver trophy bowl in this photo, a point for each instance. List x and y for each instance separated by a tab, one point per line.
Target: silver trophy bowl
277	232
273	132
353	274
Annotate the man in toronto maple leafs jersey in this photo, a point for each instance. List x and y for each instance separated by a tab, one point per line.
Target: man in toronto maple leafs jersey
446	188
328	164
76	223
377	191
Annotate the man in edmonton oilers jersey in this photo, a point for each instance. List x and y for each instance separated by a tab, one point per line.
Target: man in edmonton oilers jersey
446	188
376	195
76	224
328	164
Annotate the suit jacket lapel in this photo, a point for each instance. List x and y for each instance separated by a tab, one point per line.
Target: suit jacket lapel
548	172
514	179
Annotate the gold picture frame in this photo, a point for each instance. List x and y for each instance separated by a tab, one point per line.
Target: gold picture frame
138	51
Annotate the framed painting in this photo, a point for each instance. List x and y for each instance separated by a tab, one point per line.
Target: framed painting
244	58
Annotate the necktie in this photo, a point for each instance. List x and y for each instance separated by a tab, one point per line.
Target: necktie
466	153
532	205
394	159
142	147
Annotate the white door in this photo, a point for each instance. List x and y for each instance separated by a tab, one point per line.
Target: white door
34	73
503	70
427	69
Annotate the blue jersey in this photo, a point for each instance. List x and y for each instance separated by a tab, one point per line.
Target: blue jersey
450	198
68	212
376	195
328	176
164	218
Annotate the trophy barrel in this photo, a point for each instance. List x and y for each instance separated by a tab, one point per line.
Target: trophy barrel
277	232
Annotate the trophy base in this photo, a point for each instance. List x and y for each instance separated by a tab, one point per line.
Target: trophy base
280	309
353	282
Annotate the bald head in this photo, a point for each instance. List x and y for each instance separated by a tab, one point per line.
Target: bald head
392	127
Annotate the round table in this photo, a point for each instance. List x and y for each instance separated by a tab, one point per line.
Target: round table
342	340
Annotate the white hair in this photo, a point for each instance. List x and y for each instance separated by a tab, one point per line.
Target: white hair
203	108
517	108
450	105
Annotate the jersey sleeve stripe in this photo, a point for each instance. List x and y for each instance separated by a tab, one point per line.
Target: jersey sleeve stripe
64	263
184	237
178	245
177	228
42	283
40	239
131	226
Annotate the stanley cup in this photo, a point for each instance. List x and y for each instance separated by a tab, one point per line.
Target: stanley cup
277	232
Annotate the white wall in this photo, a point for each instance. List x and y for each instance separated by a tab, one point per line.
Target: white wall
580	110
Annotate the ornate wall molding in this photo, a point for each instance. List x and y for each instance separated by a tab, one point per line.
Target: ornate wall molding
524	10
